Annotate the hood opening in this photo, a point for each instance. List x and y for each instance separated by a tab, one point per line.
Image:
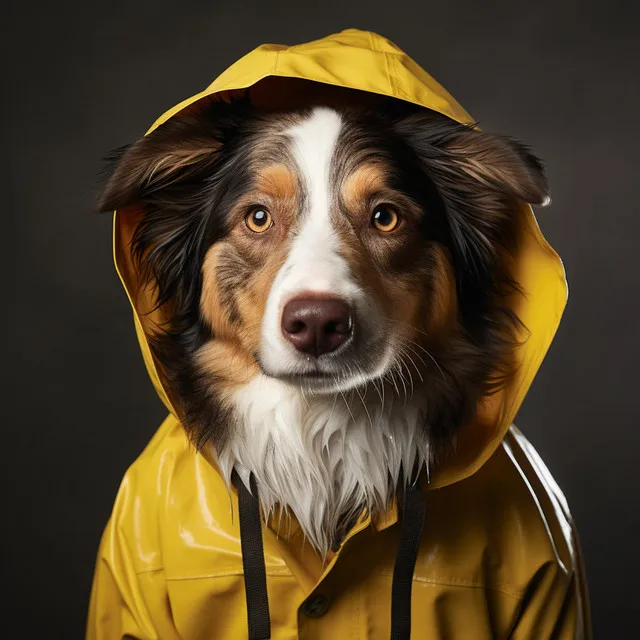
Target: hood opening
357	67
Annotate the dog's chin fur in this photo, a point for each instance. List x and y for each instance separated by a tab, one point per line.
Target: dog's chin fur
326	456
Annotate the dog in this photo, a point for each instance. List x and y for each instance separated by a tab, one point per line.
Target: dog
338	279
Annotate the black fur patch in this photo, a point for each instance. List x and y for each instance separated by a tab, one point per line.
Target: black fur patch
184	215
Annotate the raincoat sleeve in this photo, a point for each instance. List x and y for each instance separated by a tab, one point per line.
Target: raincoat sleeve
117	607
128	596
555	606
555	603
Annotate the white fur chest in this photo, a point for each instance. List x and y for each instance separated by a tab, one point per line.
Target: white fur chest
323	457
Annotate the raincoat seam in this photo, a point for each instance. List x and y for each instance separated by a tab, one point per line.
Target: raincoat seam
149	570
226	574
396	54
143	615
387	66
452	582
399	91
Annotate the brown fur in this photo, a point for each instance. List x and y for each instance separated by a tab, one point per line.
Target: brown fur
237	274
421	301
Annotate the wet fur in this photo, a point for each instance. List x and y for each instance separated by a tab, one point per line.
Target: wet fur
452	270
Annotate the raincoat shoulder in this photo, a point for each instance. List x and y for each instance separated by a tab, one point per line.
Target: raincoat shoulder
508	531
505	534
129	576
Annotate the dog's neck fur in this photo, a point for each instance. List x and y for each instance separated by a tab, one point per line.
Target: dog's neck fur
324	458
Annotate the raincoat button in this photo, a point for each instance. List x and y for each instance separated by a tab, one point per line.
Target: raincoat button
315	606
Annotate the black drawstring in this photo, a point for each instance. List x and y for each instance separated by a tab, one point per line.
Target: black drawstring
255	575
413	514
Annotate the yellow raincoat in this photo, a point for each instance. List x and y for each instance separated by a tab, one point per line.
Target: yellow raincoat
499	555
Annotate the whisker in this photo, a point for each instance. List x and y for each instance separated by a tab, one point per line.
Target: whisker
407	340
407	324
333	406
405	366
432	358
348	407
399	368
392	379
304	397
365	406
374	384
407	344
413	363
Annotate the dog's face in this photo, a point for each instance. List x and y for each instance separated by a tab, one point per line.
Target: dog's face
327	271
329	249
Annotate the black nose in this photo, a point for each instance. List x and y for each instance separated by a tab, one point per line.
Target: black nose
316	325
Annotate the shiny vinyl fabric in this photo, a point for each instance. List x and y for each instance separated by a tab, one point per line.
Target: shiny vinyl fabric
499	556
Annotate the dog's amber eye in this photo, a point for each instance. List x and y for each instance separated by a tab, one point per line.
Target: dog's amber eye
258	220
385	219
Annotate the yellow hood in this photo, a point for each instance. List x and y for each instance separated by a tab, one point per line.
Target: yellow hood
367	62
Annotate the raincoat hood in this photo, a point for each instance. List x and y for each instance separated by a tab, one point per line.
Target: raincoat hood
369	63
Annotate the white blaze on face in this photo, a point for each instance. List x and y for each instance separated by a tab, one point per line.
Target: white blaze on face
313	263
289	440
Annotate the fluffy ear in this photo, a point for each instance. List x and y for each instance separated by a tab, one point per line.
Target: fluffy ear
497	163
175	173
480	178
180	149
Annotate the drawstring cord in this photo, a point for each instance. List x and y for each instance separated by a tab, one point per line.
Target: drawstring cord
255	575
411	525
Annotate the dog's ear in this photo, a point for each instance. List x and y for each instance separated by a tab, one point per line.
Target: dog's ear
178	150
490	162
173	176
480	178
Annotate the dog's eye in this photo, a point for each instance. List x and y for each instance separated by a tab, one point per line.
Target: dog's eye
258	220
385	219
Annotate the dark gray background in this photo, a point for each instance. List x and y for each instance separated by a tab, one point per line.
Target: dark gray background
84	78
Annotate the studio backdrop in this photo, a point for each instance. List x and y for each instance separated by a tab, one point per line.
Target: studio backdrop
82	79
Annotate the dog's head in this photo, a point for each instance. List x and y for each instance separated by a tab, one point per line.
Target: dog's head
330	249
